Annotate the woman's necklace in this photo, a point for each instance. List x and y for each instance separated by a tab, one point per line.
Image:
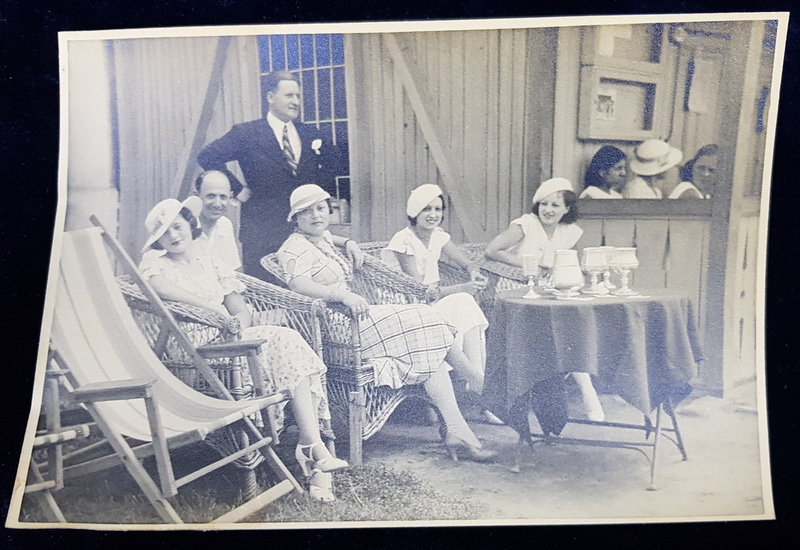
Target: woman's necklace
331	252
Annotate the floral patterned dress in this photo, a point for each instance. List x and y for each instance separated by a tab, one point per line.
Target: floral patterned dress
287	358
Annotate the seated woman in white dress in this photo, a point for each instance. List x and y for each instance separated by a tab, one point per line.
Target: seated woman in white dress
549	227
606	175
408	344
181	275
655	165
416	250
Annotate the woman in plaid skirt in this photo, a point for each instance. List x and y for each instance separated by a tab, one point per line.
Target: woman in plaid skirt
408	344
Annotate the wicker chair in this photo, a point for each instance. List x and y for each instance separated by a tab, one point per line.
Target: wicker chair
351	386
500	276
271	305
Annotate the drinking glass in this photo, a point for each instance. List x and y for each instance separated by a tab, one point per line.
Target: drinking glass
530	268
623	261
595	263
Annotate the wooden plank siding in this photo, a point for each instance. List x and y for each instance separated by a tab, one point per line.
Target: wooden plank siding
672	251
161	87
453	108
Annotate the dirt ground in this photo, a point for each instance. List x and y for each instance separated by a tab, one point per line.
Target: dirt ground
558	483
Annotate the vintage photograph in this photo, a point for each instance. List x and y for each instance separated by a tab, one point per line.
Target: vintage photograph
361	274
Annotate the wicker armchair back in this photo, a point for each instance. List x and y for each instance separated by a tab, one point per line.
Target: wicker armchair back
353	395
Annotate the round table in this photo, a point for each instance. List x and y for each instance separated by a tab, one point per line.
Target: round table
643	348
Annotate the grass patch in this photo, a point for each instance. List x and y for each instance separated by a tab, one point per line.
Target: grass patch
372	492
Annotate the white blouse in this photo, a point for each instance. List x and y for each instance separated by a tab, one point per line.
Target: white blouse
406	241
535	241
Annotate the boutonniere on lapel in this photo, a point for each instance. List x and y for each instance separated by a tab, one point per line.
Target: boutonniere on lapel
316	145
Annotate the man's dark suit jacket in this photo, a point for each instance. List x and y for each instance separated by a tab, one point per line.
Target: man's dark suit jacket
269	177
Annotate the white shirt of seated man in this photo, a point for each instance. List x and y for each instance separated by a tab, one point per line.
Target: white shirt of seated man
218	238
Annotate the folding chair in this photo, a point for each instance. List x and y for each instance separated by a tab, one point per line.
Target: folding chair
49	442
132	396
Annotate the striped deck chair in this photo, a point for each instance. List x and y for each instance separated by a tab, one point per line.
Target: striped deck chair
112	371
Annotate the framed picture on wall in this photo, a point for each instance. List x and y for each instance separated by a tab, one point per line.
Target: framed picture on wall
620	104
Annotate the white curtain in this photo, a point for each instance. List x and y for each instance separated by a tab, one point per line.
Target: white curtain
159	88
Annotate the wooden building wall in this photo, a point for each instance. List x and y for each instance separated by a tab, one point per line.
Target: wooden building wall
489	114
170	97
468	110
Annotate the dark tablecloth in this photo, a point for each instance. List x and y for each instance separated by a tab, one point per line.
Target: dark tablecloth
642	349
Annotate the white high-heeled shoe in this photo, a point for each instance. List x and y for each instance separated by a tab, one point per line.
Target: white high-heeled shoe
304	454
320	486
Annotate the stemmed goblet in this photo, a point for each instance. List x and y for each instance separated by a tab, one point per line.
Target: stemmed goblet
595	262
609	253
623	261
530	268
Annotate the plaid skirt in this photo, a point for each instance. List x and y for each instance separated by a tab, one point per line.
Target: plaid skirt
406	343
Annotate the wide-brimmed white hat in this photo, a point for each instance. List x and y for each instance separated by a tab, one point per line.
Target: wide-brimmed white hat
654	156
304	196
162	215
421	197
551	186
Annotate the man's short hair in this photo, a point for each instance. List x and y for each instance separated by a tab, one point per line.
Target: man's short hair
236	186
274	78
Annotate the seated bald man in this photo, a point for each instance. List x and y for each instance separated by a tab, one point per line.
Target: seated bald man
218	238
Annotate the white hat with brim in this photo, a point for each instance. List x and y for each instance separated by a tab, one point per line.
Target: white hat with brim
551	186
162	215
305	196
654	156
421	197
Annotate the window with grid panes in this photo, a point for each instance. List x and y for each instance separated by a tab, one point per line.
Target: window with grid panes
318	60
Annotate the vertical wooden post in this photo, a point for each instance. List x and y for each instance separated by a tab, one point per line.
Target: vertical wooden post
737	104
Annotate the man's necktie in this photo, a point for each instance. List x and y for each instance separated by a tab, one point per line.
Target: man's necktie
287	150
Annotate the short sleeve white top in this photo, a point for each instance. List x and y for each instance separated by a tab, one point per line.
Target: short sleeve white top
426	258
535	242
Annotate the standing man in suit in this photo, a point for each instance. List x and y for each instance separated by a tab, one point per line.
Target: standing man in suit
276	155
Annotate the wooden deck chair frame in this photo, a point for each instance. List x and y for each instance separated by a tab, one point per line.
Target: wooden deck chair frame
215	337
131	395
353	394
50	441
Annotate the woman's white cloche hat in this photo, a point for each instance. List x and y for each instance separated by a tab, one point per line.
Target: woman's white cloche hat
304	196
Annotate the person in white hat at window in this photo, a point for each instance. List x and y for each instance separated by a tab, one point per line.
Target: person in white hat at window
182	275
415	251
655	165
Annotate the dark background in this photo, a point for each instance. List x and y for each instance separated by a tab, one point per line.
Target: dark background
29	97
